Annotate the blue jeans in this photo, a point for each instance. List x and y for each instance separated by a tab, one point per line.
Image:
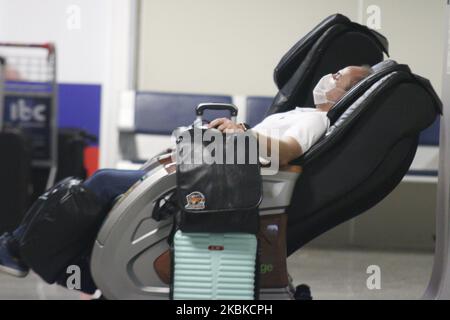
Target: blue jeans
107	184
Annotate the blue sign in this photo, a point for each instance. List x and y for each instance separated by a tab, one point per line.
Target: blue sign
32	115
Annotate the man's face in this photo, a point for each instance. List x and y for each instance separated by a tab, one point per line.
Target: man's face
345	80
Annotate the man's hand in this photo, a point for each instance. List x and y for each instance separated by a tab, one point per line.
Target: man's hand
225	125
288	148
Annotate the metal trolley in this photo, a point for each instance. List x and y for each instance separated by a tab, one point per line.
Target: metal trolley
30	101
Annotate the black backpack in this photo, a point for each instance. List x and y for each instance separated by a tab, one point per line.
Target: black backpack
60	227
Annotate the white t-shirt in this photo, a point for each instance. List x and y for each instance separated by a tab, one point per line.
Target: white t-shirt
305	125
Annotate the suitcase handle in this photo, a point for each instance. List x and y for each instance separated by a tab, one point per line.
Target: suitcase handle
216	106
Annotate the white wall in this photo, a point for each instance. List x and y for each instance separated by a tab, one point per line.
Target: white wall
216	46
414	29
81	51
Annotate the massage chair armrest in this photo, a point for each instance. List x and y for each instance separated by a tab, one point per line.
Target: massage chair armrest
166	158
292	169
161	158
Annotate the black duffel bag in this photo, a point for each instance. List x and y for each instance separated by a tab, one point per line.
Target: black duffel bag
217	197
60	227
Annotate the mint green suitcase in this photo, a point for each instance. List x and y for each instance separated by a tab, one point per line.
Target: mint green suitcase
219	266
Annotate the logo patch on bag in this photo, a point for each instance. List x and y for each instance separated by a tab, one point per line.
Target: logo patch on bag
195	201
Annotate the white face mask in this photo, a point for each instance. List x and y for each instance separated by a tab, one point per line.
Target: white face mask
325	85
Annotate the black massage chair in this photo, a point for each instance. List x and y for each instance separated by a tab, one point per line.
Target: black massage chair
375	130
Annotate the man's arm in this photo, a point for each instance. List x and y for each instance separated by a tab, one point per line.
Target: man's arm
288	148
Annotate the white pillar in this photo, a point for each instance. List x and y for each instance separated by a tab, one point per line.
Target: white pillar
120	73
439	287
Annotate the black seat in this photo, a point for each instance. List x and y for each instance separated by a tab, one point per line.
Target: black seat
367	151
334	44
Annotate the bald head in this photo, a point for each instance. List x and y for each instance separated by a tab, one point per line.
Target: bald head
345	79
350	76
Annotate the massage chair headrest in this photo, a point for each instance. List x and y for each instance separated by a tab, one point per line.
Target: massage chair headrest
387	76
334	44
297	54
380	71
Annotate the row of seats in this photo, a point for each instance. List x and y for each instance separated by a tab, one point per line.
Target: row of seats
147	120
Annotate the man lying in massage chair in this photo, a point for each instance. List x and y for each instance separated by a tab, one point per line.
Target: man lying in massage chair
298	130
